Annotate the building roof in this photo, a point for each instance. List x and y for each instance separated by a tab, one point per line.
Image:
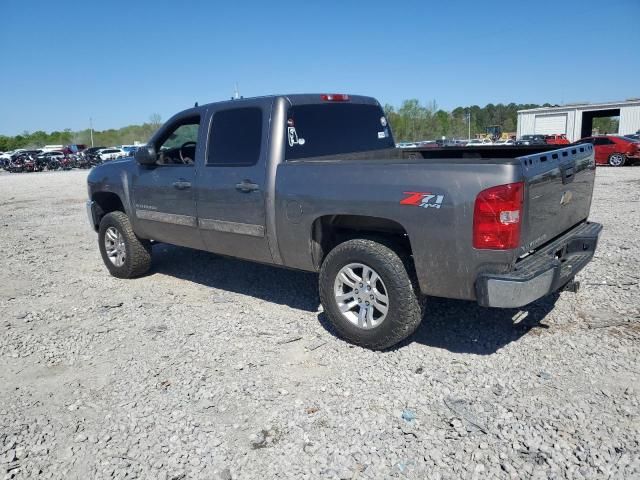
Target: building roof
585	106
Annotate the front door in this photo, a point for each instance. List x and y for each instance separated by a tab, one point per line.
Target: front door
230	192
163	194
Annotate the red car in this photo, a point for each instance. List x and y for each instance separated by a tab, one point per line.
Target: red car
614	150
559	139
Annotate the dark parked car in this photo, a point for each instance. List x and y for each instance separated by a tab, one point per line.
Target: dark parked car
92	152
50	154
532	140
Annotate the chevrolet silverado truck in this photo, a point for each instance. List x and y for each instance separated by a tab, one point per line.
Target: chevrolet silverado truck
314	182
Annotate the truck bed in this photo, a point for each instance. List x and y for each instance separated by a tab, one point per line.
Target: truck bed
558	184
459	155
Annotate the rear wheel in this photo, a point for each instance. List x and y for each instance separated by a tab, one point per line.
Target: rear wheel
123	253
616	159
368	294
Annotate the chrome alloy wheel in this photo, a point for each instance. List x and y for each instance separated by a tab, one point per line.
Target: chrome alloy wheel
616	159
114	246
361	295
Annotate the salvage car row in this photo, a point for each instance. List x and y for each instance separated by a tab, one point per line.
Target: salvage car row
38	160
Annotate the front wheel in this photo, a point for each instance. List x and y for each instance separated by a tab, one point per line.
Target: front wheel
368	295
616	159
123	253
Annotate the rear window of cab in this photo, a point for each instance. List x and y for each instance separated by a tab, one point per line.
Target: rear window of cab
333	128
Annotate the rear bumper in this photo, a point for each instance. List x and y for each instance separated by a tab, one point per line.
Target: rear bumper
541	273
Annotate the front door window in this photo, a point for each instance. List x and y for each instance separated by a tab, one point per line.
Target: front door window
178	146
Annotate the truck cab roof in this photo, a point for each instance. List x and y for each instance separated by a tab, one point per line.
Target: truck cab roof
293	99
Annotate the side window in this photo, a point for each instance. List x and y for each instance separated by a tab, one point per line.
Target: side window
178	145
236	137
315	130
602	141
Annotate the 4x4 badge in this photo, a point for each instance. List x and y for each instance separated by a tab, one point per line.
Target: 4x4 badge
422	199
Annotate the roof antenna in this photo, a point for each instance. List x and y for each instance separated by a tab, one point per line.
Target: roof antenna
195	105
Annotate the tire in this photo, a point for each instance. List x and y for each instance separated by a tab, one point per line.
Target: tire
393	277
617	159
136	260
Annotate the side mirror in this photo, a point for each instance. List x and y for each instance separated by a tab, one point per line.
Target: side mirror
146	155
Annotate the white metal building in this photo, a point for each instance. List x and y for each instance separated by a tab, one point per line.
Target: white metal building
576	120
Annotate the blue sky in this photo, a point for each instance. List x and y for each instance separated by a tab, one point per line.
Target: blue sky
62	62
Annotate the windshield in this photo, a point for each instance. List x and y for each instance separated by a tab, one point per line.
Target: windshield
334	128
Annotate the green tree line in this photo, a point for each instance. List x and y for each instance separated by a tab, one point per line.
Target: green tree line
121	136
413	121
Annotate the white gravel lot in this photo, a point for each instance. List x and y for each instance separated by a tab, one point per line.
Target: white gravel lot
211	367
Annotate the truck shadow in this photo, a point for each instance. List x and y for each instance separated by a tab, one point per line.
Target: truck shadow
454	325
293	288
465	327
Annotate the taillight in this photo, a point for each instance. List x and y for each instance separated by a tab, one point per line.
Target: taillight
334	97
497	217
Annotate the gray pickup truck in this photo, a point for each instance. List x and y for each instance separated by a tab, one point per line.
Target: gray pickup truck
314	182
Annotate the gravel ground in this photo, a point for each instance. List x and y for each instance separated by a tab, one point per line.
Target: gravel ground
211	367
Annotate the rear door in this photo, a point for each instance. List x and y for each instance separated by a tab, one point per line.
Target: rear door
163	194
230	192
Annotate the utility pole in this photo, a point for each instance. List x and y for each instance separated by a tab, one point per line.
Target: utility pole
91	129
469	123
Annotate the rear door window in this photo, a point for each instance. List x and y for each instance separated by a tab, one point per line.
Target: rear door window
236	137
333	128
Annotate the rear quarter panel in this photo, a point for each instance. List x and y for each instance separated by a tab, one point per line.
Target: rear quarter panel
441	238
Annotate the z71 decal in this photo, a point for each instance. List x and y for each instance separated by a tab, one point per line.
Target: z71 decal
422	199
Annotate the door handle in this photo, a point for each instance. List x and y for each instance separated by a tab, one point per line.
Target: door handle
247	186
182	184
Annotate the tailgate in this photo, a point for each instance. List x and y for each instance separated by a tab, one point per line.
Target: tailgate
559	186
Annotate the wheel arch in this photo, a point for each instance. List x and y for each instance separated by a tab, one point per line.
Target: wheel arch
106	202
328	231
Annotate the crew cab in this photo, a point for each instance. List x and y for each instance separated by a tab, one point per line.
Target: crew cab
614	150
314	182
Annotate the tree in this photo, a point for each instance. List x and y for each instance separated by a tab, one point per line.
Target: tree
155	120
